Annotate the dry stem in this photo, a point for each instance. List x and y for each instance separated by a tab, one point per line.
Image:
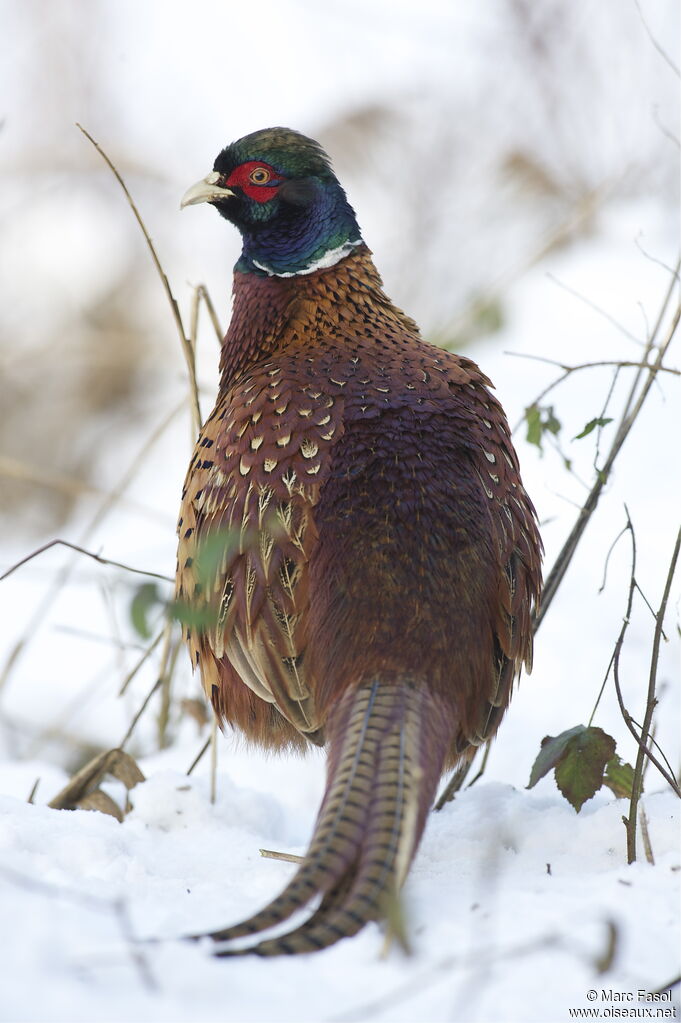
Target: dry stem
186	344
632	409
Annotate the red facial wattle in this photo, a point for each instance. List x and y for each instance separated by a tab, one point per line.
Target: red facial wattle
243	177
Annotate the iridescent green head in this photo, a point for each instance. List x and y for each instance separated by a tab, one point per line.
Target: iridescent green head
278	188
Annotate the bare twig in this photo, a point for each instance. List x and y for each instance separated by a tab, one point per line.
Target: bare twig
184	340
271	854
654	744
201	295
645	835
569	370
644	748
654	259
646	744
204	293
166	671
150	649
214	759
140	712
454	784
668	134
200	754
19	469
651	703
628	527
607	557
41	612
650	345
631	411
663	53
596	308
89	554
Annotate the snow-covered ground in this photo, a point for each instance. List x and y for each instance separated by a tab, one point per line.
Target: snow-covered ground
497	936
517	906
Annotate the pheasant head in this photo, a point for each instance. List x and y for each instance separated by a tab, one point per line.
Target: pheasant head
277	186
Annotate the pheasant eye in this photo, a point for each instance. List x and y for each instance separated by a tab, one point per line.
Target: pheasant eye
259	176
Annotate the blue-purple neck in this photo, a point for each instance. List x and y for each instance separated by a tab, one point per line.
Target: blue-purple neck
301	238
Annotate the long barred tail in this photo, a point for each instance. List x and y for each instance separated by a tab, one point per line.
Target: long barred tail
387	743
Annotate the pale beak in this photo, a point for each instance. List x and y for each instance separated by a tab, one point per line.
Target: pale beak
207	190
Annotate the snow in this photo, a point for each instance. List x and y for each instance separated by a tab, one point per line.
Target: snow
513	899
491	926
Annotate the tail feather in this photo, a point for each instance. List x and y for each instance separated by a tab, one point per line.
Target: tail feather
387	744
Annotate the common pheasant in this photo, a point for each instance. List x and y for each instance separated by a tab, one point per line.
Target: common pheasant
358	559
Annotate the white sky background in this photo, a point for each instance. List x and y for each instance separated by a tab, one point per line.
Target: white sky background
426	110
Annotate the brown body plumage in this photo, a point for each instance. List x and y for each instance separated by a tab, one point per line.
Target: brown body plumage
360	560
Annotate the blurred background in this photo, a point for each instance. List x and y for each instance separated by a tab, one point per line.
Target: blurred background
500	156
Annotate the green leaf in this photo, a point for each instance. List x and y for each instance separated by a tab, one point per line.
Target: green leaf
215	548
552	749
540	419
579	757
146	598
591	425
533	420
579	775
619	777
200	617
551	423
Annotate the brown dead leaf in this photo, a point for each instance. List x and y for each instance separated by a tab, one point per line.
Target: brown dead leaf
83	792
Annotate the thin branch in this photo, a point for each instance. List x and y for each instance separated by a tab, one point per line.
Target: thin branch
596	308
40	614
140	712
663	53
654	259
644	749
453	785
602	416
654	744
621	363
147	653
89	554
204	293
668	134
184	341
568	370
199	755
214	759
645	835
628	419
272	854
611	549
483	766
651	703
95	637
673	283
171	649
16	469
649	606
